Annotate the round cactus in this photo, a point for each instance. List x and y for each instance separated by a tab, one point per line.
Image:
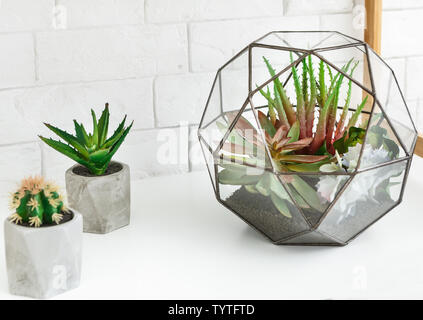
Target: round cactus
37	202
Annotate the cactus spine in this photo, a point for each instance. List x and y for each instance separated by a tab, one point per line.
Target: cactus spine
37	202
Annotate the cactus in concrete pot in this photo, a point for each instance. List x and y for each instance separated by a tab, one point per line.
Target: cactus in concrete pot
40	235
37	202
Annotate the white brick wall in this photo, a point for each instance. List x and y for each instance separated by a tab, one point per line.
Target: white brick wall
161	11
401	33
111	53
213	43
414	73
151	59
401	39
301	7
17	161
83	13
175	103
25	15
16	60
401	4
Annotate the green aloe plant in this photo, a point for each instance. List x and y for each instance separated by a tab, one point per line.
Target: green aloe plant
93	151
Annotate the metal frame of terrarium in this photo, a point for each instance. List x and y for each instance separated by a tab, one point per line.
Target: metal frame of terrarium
304	53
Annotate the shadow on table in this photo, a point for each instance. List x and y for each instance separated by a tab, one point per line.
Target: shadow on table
251	235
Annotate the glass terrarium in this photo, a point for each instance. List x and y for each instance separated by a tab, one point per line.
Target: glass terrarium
307	137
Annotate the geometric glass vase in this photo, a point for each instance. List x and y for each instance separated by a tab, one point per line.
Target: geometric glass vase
307	137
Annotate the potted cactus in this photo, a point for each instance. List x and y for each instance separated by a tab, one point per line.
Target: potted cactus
97	187
43	241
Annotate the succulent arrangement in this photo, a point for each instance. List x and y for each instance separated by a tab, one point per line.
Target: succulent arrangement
93	151
37	202
315	135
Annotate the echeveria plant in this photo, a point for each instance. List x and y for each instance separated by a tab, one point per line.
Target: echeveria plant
93	151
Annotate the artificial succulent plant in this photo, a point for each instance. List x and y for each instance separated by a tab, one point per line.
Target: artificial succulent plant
37	202
93	151
295	142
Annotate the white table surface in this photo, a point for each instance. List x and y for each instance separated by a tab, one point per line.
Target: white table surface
182	244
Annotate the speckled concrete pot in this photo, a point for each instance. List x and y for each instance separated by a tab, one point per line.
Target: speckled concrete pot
43	262
104	201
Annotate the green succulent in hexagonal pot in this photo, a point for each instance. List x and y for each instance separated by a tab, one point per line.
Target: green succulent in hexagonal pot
97	187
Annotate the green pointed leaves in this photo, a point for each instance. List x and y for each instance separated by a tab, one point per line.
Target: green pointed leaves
95	128
280	91
70	139
94	151
103	125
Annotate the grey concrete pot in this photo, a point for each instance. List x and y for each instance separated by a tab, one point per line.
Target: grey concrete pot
104	201
43	262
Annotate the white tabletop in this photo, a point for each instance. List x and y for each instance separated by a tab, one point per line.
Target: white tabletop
182	244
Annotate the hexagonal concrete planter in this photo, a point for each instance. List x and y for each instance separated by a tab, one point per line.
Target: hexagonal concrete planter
292	206
43	262
104	201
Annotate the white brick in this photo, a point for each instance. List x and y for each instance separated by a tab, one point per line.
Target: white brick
17	162
13	125
414	74
400	33
402	4
112	53
181	103
416	110
16	60
25	15
60	104
304	7
213	43
55	165
196	158
158	11
155	152
342	23
82	13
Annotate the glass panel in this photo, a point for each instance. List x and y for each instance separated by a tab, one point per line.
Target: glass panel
233	82
208	129
312	238
314	194
335	39
261	200
244	144
382	77
247	184
389	95
397	112
356	54
229	93
306	40
381	144
368	197
209	162
264	59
